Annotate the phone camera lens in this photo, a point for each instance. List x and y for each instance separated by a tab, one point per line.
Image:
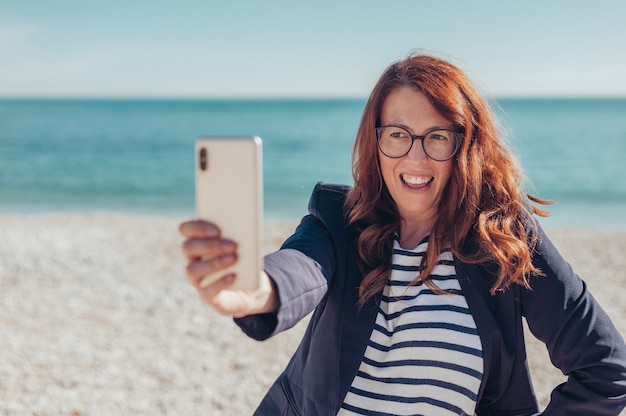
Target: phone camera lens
203	159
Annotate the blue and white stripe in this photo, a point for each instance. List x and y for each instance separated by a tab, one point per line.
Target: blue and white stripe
424	356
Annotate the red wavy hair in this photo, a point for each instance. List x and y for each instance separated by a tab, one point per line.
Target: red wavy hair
484	217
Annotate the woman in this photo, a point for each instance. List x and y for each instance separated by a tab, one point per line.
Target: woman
420	273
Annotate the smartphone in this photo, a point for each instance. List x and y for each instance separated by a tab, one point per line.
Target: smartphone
229	193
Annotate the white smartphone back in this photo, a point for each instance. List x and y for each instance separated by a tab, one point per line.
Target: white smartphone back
229	193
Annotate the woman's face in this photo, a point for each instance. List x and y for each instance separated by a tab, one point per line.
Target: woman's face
415	181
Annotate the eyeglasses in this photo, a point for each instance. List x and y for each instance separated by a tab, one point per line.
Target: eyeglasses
439	144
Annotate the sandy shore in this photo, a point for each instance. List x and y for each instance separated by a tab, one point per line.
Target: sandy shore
96	318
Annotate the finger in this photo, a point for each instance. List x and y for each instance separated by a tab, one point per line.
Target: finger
200	248
209	288
198	229
198	270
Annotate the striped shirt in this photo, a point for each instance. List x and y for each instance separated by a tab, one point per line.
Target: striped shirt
424	356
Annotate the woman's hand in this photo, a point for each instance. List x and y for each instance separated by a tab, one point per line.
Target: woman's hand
208	254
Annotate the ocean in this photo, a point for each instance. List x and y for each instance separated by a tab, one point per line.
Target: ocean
137	156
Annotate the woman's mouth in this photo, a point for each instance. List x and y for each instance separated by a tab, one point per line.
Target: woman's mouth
416	181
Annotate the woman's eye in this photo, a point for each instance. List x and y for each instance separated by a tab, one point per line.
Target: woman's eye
399	134
438	137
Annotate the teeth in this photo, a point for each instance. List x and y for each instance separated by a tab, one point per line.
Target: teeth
416	180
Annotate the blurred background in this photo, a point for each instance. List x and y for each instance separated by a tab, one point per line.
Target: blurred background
100	104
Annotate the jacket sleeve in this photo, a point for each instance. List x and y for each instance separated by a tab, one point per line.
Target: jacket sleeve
301	270
581	339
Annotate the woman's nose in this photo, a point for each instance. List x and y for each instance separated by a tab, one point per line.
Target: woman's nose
417	151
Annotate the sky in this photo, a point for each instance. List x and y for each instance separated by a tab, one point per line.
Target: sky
321	48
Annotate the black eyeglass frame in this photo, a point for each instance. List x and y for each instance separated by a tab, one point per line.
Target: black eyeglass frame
457	134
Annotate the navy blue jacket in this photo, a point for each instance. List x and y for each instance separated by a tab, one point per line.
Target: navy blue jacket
560	311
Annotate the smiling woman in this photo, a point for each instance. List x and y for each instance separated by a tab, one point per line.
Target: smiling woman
415	180
420	274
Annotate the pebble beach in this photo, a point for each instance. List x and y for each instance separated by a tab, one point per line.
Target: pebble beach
97	318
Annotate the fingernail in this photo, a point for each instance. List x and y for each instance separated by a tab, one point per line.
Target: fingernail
227	245
211	231
226	260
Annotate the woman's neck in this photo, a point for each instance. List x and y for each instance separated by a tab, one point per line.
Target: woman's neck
413	232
